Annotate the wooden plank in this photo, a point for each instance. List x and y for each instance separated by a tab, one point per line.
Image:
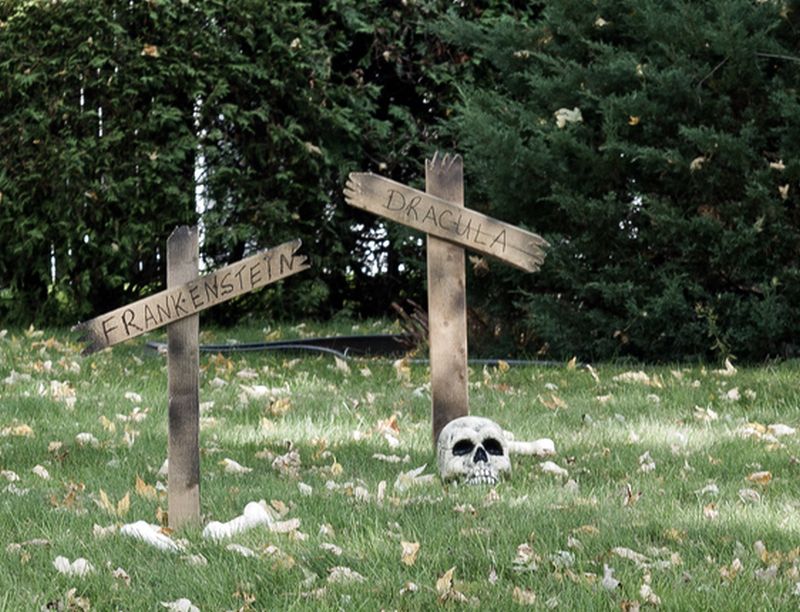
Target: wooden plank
447	307
441	217
183	373
189	298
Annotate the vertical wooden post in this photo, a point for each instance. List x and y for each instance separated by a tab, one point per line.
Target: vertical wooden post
447	307
183	371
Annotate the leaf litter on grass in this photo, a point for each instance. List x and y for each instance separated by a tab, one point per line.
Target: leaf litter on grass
634	553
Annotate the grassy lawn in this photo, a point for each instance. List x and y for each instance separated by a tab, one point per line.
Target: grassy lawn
677	493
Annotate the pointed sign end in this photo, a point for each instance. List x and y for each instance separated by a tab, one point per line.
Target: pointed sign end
182	230
443	162
87	335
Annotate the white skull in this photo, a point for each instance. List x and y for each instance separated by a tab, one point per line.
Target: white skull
473	450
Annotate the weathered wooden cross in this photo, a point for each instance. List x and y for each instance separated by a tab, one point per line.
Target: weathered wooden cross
178	307
439	212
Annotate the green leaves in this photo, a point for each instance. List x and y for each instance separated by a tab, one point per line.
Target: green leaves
671	190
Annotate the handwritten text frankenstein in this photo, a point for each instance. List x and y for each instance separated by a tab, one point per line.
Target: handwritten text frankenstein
172	304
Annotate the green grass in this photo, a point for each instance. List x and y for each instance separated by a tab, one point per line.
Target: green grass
334	420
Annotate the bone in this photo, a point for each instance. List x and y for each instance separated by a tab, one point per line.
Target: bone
543	447
150	534
255	513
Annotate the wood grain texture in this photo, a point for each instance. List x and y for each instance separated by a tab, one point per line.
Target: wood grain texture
190	297
447	307
442	217
183	372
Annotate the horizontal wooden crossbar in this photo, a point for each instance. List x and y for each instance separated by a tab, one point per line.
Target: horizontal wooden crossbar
437	217
173	304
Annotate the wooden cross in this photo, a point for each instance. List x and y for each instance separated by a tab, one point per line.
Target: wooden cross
177	307
439	212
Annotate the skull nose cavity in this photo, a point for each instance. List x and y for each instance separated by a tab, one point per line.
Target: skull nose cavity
480	456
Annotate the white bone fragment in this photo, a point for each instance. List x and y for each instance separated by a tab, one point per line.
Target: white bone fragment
233	467
255	513
180	605
79	567
150	534
538	448
549	467
241	550
779	429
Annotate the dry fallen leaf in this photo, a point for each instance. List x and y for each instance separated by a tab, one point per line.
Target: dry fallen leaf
280	406
41	472
99	531
332	548
710	511
121	575
626	553
749	496
22	431
446	590
609	582
647	594
553	402
402	369
445	582
341	365
524	597
762	478
87	439
728	573
697	163
73	602
564	116
150	51
123	505
409	552
527	560
344	575
705	415
232	467
133	397
120	509
411	478
732	395
646	463
729	370
305	489
144	490
288	464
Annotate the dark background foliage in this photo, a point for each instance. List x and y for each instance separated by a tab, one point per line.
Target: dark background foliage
114	116
671	205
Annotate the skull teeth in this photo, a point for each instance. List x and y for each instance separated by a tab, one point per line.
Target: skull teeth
482	476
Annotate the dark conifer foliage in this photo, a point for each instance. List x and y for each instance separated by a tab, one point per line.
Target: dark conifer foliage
655	144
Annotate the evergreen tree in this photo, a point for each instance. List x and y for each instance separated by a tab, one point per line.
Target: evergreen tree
656	145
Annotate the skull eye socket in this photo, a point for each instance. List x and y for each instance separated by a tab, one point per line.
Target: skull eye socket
492	446
463	447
